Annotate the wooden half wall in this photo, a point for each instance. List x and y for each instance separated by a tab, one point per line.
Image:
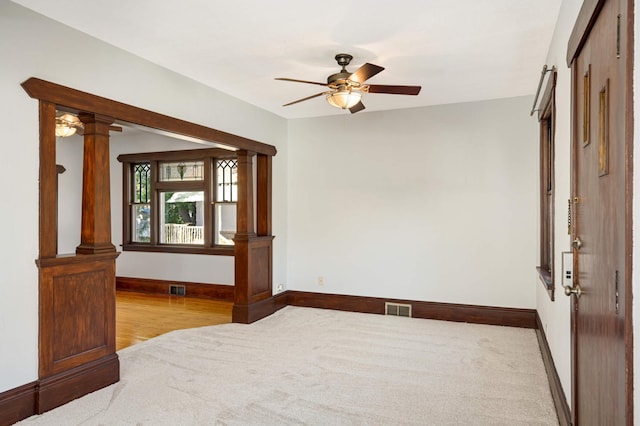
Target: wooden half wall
77	291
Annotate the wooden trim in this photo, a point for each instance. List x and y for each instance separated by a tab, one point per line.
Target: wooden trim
575	145
77	101
586	18
199	290
167	248
629	197
48	191
18	404
187	154
68	385
247	314
557	393
513	317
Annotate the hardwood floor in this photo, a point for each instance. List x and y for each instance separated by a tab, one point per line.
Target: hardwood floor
142	316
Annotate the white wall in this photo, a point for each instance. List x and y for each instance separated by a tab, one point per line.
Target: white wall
556	316
434	204
35	46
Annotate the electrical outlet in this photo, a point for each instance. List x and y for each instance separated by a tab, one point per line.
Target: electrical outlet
320	280
280	288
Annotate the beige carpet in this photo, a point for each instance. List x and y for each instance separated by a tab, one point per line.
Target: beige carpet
322	367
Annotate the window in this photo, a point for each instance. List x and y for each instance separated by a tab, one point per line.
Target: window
181	201
547	136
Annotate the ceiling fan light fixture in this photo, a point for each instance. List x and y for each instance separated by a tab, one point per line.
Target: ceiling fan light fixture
344	98
66	125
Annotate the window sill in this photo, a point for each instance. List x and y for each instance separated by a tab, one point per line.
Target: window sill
216	251
546	278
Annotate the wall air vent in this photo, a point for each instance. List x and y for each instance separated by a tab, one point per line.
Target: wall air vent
177	290
397	309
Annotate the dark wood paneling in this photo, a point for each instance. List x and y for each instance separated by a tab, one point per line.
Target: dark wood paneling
78	322
260	268
557	393
78	101
586	18
68	385
253	280
17	404
205	291
428	310
77	311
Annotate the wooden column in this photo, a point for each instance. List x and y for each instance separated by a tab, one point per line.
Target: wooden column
253	253
95	235
48	188
263	197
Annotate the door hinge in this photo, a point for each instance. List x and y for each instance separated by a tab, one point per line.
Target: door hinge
618	38
617	294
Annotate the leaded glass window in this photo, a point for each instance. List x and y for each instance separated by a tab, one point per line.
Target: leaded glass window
226	198
227	180
180	201
179	171
141	207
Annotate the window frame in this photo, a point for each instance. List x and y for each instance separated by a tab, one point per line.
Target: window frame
207	185
547	120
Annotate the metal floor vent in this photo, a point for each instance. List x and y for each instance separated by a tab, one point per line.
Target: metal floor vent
177	290
397	309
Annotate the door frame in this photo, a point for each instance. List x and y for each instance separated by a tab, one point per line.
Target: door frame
582	27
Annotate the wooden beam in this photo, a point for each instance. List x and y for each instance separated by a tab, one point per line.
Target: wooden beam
77	101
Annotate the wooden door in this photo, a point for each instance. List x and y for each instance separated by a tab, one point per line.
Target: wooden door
600	318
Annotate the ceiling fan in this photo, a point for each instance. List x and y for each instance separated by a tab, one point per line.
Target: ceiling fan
346	88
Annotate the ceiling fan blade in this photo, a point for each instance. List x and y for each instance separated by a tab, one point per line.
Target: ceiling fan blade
365	72
357	107
394	90
300	81
305	99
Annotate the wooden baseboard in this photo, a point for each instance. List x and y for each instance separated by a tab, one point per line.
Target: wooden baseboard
246	314
18	404
557	393
513	317
151	286
64	387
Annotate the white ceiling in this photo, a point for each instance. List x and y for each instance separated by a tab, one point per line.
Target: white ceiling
457	50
